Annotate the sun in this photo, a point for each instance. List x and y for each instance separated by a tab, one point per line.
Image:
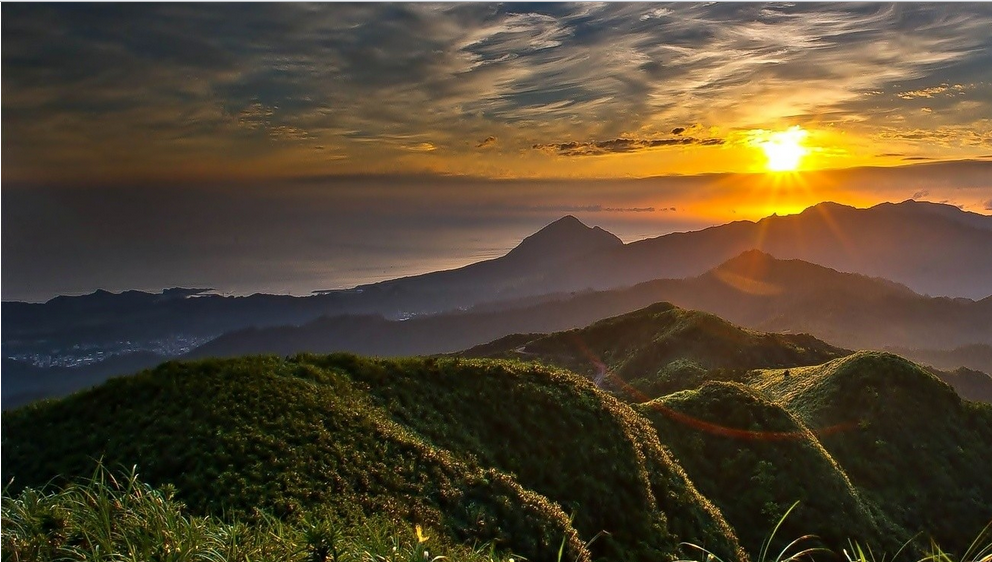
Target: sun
785	149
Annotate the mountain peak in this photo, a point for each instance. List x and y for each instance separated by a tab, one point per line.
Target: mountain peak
564	238
566	221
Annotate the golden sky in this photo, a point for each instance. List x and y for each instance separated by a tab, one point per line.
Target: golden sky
115	93
299	146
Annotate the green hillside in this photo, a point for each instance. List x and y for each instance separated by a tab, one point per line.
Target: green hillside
662	349
902	436
285	437
754	460
483	450
558	436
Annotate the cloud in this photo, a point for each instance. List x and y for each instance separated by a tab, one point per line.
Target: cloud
165	83
933	91
487	142
593	209
422	147
921	194
988	205
621	146
287	133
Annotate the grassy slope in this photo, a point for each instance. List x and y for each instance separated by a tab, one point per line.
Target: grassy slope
902	436
117	517
453	444
282	436
754	459
662	349
558	436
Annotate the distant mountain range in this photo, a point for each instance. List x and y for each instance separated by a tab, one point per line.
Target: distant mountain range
542	286
931	248
662	349
753	289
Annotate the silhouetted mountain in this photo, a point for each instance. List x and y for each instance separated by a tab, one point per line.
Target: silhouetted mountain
845	309
752	289
172	322
974	356
519	273
931	248
968	383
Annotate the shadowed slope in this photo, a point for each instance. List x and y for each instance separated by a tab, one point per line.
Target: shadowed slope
662	349
281	436
485	450
754	459
904	438
559	437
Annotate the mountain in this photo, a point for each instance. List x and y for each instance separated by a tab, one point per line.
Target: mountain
481	450
753	289
874	447
662	349
902	436
968	383
756	290
733	444
973	356
80	328
558	264
931	248
517	274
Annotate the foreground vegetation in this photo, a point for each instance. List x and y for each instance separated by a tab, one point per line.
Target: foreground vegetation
532	461
514	455
117	517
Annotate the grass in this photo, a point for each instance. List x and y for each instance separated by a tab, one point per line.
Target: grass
483	450
905	440
237	436
753	459
980	549
500	453
117	517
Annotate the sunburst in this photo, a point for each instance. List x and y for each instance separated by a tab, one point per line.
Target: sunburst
784	149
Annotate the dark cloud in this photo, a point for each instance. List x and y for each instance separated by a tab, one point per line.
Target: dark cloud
920	194
487	142
917	158
621	146
678	130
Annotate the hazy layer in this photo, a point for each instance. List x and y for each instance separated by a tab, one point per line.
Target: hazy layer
323	233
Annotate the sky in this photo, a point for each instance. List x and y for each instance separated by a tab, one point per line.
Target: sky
293	147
